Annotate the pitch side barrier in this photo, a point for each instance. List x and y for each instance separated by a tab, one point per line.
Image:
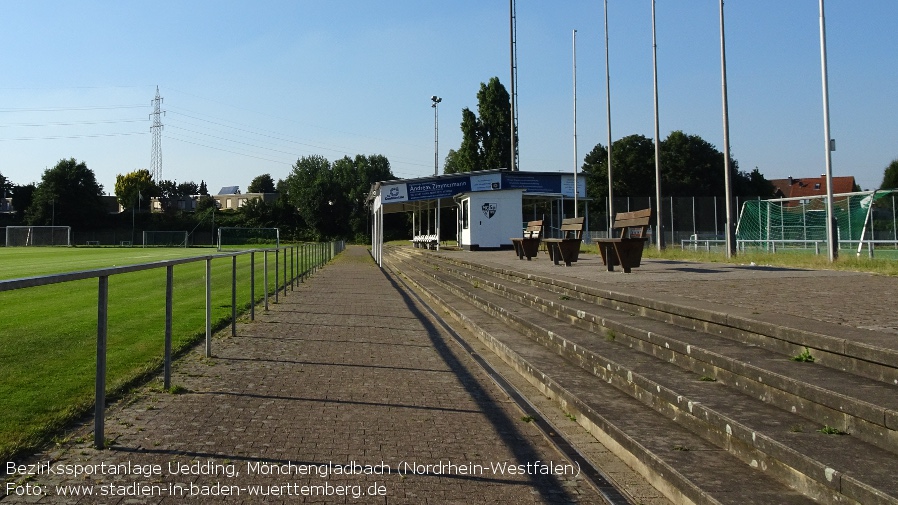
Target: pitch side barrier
303	259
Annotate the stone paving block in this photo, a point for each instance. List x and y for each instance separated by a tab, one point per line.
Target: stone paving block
345	377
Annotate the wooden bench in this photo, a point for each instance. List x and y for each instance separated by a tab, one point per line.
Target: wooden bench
625	249
566	248
528	245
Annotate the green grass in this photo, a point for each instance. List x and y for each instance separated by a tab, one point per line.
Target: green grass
48	333
16	262
886	262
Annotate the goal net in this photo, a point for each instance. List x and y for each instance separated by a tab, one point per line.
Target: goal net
156	238
18	236
248	238
801	222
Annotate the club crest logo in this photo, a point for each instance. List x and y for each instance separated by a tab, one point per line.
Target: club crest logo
394	192
489	210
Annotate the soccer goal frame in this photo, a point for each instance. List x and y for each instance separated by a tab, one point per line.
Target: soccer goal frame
25	236
165	238
798	222
231	236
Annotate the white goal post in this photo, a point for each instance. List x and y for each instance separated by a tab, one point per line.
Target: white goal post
248	238
19	236
158	238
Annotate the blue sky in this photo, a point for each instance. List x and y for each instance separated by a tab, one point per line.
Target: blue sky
249	87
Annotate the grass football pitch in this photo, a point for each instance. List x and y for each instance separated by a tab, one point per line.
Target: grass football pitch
48	333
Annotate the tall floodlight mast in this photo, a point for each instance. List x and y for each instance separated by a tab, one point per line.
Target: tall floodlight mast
727	171
659	235
513	38
156	156
608	107
831	229
576	160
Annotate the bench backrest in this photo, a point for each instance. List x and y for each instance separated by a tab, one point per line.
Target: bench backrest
632	224
572	228
534	229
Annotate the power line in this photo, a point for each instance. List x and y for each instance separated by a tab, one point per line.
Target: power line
63	109
72	123
58	137
224	150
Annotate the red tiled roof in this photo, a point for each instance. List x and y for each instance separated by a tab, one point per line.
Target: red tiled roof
814	186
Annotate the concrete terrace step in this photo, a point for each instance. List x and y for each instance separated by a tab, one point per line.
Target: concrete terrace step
826	467
683	465
866	408
864	352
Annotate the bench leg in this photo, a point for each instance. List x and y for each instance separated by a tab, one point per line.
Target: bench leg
554	252
607	253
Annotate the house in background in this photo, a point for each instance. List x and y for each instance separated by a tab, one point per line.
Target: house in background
182	203
229	197
811	187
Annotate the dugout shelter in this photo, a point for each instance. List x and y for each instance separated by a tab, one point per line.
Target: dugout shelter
490	206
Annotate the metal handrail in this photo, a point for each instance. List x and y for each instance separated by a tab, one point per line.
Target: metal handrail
320	251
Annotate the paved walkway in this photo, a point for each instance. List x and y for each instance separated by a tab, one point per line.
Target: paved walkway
345	386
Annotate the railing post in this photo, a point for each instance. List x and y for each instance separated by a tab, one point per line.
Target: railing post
252	286
285	272
102	328
169	292
209	307
302	262
265	277
292	263
277	262
234	296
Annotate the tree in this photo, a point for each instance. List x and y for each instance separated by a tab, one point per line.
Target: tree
494	108
204	203
354	179
5	186
486	141
261	184
311	190
633	165
135	189
256	213
595	169
753	184
189	188
22	196
68	194
202	190
690	166
890	176
167	188
331	198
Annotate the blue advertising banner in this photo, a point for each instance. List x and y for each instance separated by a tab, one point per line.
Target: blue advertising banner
438	189
532	183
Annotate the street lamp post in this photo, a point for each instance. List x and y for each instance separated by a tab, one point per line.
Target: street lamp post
576	159
435	100
436	133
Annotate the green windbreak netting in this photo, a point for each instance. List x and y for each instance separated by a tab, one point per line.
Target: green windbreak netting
804	220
